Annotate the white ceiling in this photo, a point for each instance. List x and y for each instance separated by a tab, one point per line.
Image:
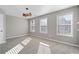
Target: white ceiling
36	10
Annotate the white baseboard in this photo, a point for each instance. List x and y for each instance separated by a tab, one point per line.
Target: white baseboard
67	43
16	36
1	42
72	44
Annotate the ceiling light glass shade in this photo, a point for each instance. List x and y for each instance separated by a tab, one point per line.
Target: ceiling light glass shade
27	14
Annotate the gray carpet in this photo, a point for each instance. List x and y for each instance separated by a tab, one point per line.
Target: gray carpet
33	45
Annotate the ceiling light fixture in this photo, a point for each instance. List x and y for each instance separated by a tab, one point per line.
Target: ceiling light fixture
27	13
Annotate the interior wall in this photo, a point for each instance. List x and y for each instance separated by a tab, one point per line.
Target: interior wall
16	26
4	27
52	26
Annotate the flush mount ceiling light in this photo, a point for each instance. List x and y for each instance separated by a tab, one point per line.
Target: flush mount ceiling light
27	13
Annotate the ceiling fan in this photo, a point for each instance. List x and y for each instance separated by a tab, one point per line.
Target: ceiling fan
27	13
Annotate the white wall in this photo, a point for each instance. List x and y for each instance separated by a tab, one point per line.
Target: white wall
4	27
16	26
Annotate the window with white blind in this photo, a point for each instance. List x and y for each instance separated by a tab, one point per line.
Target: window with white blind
64	24
43	25
32	25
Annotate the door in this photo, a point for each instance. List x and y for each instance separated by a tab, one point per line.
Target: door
2	29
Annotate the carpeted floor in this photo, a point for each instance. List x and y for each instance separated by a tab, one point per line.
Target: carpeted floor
35	45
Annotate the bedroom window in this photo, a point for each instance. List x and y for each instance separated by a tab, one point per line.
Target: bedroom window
43	25
32	25
64	24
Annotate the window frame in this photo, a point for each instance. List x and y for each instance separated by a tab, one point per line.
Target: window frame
71	34
42	26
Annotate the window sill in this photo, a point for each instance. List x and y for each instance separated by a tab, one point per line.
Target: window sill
65	35
44	32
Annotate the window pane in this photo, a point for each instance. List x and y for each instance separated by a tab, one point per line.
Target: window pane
67	29
66	19
43	29
43	22
60	29
33	22
64	29
32	25
43	25
33	29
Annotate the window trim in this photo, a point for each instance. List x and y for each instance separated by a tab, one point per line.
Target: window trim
47	25
69	35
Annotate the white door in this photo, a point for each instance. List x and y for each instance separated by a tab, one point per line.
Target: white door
2	32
